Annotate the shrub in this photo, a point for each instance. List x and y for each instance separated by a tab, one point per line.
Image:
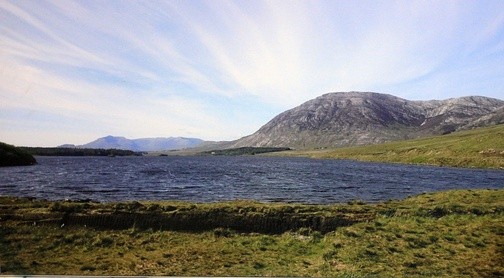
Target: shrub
104	242
88	268
68	208
154	207
328	256
440	212
223	232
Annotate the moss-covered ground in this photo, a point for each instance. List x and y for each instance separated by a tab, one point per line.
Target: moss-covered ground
445	234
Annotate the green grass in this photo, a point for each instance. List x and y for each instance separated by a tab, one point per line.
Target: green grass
480	148
447	234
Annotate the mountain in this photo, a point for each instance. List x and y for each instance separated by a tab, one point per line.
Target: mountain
143	144
361	118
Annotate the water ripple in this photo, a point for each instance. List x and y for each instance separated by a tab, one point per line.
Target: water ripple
209	179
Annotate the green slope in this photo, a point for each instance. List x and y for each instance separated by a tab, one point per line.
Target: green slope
481	148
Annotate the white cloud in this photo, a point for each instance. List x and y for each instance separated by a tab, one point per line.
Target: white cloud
186	68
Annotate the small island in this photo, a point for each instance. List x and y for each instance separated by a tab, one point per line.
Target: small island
14	156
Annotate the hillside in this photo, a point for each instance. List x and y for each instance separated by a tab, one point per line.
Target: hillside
13	156
361	118
481	147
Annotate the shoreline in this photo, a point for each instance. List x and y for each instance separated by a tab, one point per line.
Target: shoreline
239	215
455	233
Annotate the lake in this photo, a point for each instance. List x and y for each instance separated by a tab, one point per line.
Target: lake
219	178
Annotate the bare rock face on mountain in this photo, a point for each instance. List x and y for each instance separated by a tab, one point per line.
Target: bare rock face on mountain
358	118
445	116
494	118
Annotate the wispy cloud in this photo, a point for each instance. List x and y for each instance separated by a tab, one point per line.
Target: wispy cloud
220	69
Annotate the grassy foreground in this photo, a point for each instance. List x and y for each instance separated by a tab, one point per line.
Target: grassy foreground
481	148
453	234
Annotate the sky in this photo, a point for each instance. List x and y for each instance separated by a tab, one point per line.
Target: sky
71	72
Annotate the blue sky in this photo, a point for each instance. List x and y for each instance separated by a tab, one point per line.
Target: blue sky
71	72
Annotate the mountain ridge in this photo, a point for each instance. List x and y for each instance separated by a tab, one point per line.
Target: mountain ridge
362	118
140	144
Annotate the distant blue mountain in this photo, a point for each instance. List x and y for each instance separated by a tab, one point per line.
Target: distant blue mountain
142	144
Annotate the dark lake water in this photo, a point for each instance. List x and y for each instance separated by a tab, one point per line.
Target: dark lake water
216	178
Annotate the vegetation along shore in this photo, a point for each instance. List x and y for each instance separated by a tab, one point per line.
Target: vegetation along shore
454	234
14	156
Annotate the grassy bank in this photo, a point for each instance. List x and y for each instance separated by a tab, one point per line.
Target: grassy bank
453	234
481	148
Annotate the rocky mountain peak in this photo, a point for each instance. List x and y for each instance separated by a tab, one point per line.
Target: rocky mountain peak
357	118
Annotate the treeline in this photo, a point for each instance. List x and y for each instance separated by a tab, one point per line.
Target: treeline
13	156
78	152
245	151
